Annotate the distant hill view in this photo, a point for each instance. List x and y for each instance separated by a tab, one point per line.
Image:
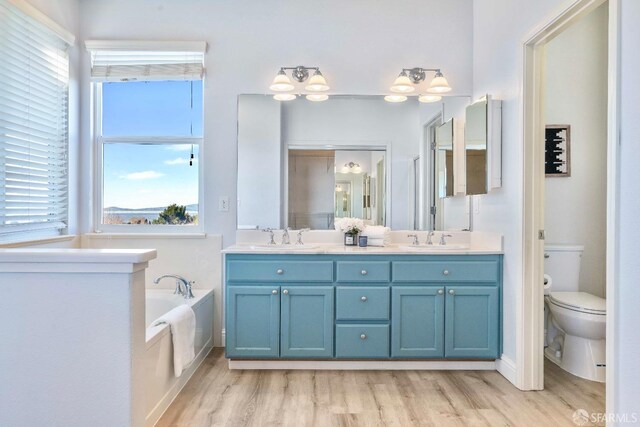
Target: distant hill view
120	215
113	209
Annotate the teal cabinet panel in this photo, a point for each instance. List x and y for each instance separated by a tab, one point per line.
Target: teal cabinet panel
253	321
363	271
307	319
362	303
417	321
279	271
472	322
446	271
362	341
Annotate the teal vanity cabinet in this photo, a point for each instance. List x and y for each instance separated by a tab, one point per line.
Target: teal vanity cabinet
380	307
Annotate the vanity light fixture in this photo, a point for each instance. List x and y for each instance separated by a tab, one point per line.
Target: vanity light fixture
351	167
429	98
395	98
316	84
409	77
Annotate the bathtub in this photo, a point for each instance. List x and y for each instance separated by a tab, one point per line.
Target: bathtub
161	385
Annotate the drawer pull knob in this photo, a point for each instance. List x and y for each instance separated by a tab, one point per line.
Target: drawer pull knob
285	292
452	292
440	291
363	272
363	298
363	336
279	271
445	272
274	292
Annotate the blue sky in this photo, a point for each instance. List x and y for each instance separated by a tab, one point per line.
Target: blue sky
144	175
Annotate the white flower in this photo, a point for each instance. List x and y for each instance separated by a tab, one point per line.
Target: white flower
349	225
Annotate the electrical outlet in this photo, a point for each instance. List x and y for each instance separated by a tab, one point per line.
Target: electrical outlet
223	204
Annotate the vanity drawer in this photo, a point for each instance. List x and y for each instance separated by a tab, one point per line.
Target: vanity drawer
363	271
279	271
445	271
362	303
362	341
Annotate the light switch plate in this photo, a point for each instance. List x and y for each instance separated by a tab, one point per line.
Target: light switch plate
223	204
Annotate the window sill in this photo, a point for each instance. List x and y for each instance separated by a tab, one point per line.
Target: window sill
107	235
40	241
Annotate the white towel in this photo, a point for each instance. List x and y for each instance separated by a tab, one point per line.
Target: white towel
376	232
376	242
182	321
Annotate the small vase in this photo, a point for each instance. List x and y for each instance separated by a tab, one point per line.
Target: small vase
350	239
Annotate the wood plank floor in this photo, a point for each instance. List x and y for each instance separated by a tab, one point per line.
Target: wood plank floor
217	396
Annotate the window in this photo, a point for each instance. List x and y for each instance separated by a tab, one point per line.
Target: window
34	98
149	137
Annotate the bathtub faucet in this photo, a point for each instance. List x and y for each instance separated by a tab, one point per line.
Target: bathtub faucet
183	286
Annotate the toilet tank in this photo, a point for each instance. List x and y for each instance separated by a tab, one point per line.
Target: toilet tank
562	267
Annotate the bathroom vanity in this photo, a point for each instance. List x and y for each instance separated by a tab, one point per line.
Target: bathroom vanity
338	303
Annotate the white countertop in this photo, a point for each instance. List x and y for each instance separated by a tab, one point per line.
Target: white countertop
333	249
133	256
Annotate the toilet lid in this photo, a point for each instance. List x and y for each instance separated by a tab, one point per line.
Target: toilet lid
580	301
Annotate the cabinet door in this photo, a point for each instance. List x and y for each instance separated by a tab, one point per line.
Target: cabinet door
472	322
417	321
307	321
253	321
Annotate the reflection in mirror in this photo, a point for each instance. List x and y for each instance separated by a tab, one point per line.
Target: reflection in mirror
328	184
476	147
444	160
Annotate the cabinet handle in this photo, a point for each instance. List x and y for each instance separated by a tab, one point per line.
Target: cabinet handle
274	292
440	291
279	271
363	272
363	298
452	292
363	336
286	292
445	272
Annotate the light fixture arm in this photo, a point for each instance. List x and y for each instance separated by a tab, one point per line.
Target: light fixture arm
301	73
418	74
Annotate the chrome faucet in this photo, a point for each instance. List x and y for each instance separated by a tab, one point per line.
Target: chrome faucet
271	241
183	286
442	240
429	236
285	236
415	242
300	242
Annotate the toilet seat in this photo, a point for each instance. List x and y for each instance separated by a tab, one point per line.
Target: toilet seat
582	302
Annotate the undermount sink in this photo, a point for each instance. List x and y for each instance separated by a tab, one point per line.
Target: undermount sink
291	247
436	248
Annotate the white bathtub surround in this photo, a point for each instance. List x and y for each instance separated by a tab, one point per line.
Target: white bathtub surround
77	335
182	322
161	383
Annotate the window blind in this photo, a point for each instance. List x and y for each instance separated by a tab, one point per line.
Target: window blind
34	87
145	61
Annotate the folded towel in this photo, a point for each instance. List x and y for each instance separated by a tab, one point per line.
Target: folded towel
376	232
376	242
182	321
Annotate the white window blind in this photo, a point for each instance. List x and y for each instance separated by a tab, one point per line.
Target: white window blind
145	61
34	87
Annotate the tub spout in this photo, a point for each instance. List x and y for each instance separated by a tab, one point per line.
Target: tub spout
183	286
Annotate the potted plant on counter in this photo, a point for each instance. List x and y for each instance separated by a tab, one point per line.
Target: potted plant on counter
350	227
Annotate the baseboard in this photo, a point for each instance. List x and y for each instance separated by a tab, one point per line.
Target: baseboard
157	412
507	369
365	365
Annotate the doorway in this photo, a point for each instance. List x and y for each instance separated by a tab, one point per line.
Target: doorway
530	340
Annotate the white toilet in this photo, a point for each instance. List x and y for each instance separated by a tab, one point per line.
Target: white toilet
576	324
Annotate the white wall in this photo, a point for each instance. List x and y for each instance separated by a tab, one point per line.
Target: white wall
575	94
360	48
627	293
259	147
499	27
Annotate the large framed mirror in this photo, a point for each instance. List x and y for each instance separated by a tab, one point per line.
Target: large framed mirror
303	164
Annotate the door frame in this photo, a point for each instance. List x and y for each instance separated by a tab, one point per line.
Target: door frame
530	304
